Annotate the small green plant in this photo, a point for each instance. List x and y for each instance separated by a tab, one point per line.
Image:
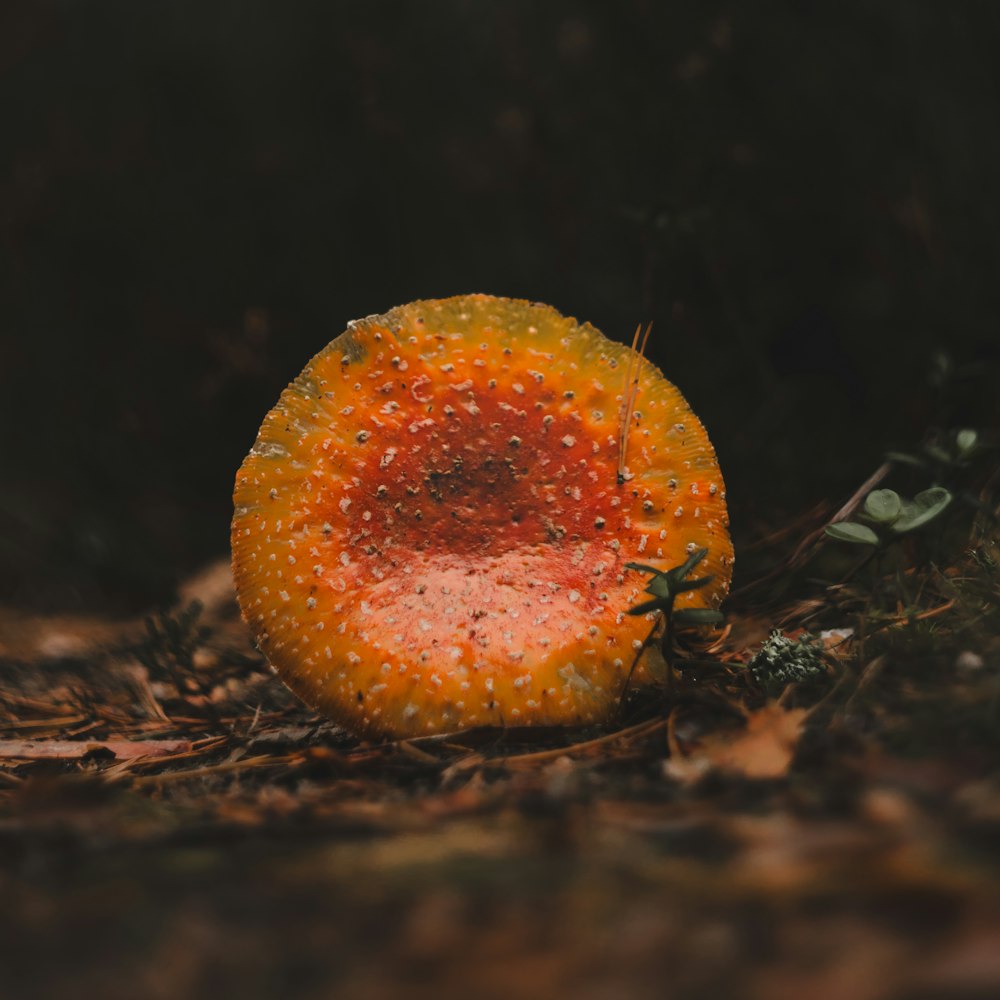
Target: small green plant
886	516
665	587
953	461
943	457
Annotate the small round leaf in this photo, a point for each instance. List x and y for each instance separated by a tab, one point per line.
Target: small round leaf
965	440
851	531
924	507
883	506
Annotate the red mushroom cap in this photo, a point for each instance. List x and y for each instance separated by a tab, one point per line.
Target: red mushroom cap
431	530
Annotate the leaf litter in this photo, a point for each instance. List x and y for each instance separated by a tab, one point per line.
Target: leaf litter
743	831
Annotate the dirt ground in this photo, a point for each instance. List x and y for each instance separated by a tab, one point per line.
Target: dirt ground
174	823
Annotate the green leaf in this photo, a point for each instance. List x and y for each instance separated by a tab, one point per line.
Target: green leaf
851	531
883	506
678	573
902	458
965	440
923	508
937	453
667	584
698	616
658	605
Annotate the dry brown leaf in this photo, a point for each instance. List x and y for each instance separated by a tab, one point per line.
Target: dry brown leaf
763	748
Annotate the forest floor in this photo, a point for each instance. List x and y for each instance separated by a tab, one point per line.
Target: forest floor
174	823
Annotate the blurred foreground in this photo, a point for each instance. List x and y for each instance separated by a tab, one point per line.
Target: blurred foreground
174	823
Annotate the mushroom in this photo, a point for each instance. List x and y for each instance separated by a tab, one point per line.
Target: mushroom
432	527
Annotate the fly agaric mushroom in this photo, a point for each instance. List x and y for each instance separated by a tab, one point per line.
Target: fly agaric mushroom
432	527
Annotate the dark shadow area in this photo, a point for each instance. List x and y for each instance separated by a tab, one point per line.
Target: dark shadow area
197	197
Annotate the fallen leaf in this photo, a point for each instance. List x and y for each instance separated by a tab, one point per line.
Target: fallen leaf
763	748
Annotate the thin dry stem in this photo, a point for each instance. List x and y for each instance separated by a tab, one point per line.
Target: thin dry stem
629	394
542	756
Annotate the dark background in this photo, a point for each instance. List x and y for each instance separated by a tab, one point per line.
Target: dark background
195	197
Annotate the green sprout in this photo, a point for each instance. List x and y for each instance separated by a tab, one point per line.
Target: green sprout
665	587
952	460
885	518
943	458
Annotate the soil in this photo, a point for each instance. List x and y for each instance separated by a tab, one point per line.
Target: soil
175	823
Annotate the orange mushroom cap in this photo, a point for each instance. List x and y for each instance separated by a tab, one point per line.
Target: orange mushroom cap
431	530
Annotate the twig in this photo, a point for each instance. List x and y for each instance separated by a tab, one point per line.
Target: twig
416	753
807	543
55	723
140	678
629	395
224	768
540	756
